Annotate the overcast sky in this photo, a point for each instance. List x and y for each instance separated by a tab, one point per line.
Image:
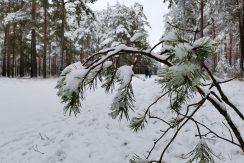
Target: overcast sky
154	10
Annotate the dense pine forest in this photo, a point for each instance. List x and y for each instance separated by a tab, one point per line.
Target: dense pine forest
40	38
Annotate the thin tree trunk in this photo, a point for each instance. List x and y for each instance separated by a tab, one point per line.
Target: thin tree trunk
4	72
8	52
241	26
202	16
21	67
49	61
33	42
13	58
8	46
230	48
62	34
215	54
45	41
225	49
40	67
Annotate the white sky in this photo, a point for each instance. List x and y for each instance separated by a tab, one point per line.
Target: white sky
153	9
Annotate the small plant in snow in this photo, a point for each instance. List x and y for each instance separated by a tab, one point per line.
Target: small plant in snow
183	77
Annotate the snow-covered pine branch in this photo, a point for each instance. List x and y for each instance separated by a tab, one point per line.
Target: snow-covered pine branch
181	78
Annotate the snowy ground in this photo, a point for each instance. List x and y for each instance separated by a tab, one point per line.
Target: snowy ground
33	128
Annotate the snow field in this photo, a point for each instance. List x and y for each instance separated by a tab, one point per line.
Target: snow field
33	128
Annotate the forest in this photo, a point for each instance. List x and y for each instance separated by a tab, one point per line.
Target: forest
42	37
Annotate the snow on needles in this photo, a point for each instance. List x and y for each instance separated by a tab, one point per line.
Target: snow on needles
15	17
182	49
203	41
74	77
120	48
124	75
136	36
171	36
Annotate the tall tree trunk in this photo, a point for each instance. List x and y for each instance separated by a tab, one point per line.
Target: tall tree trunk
69	55
39	65
4	72
21	66
45	41
202	16
49	61
230	47
8	52
33	42
62	34
241	26
13	46
8	46
225	49
214	58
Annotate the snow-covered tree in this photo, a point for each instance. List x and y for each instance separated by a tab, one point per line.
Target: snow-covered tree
221	20
120	24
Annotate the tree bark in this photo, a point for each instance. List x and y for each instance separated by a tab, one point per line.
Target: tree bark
39	65
63	11
45	41
214	54
4	72
21	67
230	47
241	26
8	52
13	46
229	121
33	42
202	16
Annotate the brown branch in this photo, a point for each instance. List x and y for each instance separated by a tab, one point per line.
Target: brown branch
156	45
203	135
223	96
96	54
199	131
155	142
183	29
220	82
225	114
148	109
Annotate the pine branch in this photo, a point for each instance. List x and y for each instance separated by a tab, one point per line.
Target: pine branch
178	130
123	102
223	96
138	123
210	131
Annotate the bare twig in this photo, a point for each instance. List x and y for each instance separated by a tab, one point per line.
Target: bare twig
223	96
210	131
229	131
156	45
155	142
199	131
220	82
178	130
